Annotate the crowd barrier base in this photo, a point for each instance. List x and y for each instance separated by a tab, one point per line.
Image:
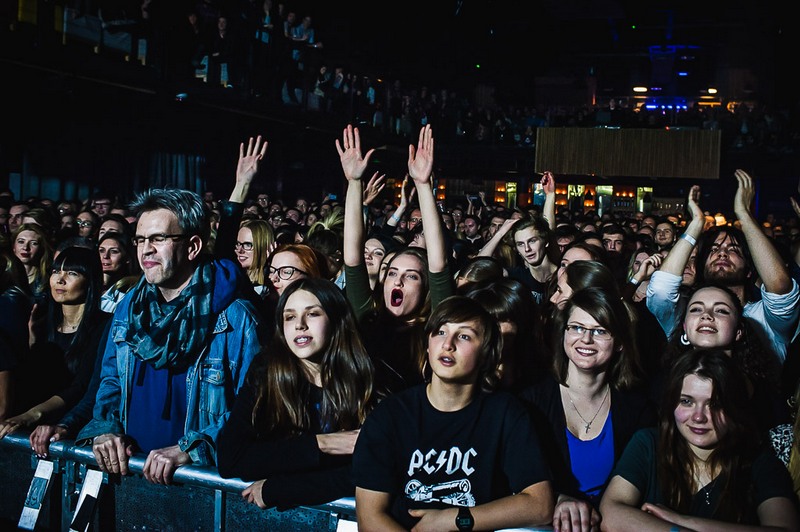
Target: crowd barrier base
198	500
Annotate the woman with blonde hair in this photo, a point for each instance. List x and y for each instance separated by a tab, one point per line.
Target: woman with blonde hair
32	247
253	244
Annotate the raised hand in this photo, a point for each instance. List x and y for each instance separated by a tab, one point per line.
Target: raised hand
420	159
374	187
353	163
548	182
745	194
693	203
249	158
406	195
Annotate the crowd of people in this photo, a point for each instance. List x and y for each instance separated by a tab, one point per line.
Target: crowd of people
451	367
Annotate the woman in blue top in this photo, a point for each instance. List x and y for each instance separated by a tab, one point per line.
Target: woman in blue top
590	406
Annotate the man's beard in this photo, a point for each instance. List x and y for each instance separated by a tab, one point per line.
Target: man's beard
726	277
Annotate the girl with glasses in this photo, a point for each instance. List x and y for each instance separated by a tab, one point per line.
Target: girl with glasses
591	403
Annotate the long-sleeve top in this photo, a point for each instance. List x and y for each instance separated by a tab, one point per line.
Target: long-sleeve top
295	469
629	411
45	373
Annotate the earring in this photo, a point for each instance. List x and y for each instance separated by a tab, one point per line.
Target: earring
685	339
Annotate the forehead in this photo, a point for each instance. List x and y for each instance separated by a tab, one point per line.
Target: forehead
19	209
157	221
526	234
286	258
697	386
110	243
497	220
245	232
374	243
664	225
576	254
115	223
301	299
28	235
406	262
724	236
581	316
711	295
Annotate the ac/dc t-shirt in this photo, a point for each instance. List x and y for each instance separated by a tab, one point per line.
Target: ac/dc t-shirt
430	459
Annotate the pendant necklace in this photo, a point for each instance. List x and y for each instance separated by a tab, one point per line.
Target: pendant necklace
588	424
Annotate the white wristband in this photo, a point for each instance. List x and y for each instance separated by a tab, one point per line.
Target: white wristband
690	239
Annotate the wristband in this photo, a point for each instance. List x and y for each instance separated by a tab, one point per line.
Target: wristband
395	218
634	282
690	239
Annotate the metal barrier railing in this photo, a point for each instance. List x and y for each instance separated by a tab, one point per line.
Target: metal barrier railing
72	463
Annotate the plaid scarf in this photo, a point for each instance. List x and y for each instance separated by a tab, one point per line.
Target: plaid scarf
172	336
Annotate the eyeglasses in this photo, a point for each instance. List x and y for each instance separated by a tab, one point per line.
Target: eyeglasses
156	239
84	223
246	246
285	272
599	334
415	220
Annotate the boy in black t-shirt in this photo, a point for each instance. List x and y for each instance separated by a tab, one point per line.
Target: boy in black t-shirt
451	450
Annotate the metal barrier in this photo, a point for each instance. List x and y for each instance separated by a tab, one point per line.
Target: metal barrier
199	499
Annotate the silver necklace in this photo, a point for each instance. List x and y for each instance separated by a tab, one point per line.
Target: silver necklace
588	424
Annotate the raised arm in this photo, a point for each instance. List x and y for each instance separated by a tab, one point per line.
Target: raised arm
420	168
406	195
549	211
231	211
489	248
353	165
769	265
678	256
247	167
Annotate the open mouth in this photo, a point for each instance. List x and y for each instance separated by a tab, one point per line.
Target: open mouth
302	340
396	297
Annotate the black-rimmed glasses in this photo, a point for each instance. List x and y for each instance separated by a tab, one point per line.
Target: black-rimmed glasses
285	272
158	238
246	246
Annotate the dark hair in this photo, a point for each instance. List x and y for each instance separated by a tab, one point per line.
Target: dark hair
187	206
479	268
509	300
457	309
282	383
423	311
86	262
610	311
738	441
748	351
706	242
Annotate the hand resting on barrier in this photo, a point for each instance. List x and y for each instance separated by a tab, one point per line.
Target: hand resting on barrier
112	452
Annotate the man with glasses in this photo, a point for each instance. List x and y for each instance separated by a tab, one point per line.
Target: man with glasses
180	345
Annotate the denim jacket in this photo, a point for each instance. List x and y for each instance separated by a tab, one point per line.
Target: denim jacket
212	382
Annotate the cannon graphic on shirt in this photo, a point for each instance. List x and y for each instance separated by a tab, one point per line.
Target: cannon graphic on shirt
456	492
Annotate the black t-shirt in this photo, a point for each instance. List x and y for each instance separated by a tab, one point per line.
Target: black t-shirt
430	459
